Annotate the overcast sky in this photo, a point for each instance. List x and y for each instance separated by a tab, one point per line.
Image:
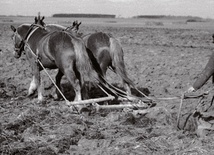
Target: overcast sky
124	8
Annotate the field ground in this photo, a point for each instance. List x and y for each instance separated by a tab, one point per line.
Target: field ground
163	57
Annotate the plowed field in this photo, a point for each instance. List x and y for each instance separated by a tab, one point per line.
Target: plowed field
161	60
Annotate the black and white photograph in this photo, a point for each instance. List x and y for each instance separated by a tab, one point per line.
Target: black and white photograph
106	77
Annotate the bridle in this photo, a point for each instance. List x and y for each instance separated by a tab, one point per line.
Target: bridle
30	31
71	28
74	27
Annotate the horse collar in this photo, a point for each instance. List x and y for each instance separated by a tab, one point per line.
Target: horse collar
29	35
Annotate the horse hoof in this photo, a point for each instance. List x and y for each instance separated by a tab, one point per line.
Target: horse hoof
82	109
30	93
41	102
57	97
85	109
76	109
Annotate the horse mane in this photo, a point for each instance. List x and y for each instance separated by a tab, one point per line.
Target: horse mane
23	27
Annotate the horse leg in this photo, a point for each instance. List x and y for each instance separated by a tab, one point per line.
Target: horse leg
33	87
35	83
85	89
37	78
75	82
81	86
77	89
40	90
58	78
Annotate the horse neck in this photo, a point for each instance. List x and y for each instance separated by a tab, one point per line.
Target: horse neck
23	30
37	35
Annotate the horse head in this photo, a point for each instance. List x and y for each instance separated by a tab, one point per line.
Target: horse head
18	42
22	34
74	27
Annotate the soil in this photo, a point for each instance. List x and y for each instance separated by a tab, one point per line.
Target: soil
162	62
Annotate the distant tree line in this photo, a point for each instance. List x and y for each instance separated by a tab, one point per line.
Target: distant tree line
150	16
84	15
191	18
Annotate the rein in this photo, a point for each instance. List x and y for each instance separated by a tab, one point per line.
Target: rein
29	35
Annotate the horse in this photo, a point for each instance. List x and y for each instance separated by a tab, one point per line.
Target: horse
54	49
108	52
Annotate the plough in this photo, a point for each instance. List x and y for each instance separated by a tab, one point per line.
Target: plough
133	102
130	102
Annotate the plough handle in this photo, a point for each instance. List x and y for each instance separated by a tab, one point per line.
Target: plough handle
102	99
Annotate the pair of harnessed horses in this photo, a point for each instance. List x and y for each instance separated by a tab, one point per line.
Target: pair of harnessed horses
57	47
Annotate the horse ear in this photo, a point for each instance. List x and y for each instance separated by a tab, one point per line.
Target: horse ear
13	28
43	18
79	24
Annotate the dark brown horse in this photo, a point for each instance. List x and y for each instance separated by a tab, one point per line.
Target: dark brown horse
108	52
55	49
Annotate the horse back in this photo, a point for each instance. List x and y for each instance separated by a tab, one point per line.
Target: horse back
99	44
97	40
58	48
67	50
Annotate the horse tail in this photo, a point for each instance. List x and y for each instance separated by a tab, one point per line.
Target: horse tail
116	53
87	64
82	60
96	66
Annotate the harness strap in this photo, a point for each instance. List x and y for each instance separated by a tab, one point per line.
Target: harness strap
29	35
